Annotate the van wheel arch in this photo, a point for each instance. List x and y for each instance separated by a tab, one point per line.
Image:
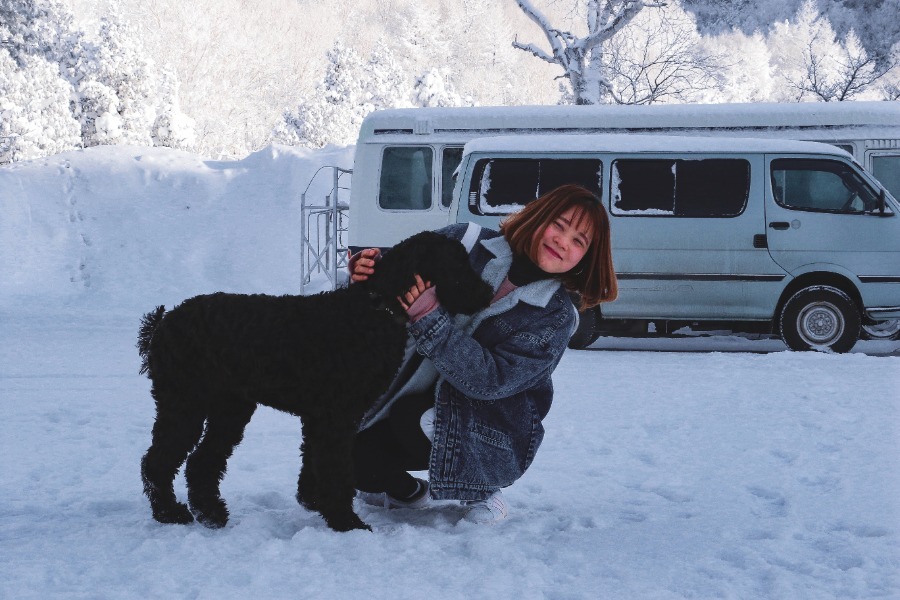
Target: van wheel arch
588	329
813	279
820	317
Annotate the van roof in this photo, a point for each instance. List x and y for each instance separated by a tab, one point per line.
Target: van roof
681	118
542	143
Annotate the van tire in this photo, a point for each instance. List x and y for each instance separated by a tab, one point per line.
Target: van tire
588	330
882	330
820	317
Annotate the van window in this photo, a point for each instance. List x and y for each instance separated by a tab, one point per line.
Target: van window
821	186
502	186
715	187
848	148
887	170
450	159
405	178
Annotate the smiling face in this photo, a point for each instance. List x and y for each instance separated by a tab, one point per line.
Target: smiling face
563	243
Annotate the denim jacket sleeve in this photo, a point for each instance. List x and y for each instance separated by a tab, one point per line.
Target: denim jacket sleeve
507	353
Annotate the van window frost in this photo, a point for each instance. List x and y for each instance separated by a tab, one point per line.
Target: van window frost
680	188
502	186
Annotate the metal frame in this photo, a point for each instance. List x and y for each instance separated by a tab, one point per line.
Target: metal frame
323	229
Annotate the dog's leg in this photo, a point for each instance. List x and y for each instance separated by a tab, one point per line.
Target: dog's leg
308	481
177	429
333	461
206	465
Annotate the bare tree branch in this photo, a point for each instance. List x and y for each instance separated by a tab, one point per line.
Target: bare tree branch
605	18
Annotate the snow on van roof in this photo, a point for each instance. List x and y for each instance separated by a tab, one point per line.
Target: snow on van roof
542	143
696	117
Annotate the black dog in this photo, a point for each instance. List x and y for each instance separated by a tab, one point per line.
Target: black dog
325	358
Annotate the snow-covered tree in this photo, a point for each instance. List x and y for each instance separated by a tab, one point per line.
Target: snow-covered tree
104	81
32	27
434	88
36	41
657	57
123	97
423	37
352	88
572	52
385	80
334	111
745	74
34	109
172	127
890	84
814	65
717	16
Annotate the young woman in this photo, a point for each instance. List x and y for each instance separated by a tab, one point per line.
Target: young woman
468	402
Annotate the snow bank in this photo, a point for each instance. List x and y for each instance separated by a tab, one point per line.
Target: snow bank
118	228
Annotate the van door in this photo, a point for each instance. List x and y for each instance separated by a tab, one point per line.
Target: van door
820	216
688	238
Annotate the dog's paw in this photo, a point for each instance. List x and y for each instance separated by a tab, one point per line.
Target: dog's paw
177	514
346	522
211	521
213	515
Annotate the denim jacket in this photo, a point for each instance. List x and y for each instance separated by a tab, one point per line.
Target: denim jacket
493	376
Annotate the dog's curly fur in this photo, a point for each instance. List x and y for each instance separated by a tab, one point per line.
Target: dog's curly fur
325	358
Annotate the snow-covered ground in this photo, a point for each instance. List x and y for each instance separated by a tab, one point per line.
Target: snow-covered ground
672	468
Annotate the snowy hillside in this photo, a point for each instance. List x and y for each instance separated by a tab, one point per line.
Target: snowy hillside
719	468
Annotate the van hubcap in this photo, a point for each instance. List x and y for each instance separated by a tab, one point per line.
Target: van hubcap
820	323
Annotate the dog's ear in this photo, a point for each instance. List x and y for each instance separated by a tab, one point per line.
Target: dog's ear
395	272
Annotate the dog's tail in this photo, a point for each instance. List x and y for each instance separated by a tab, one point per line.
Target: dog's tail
148	326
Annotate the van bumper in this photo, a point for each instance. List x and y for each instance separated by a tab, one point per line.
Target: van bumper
881	313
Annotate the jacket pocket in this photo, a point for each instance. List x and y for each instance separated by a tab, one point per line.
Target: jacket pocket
491	436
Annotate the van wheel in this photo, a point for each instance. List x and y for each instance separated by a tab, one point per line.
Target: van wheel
820	317
588	330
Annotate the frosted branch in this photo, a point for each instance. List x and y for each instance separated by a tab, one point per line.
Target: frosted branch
534	50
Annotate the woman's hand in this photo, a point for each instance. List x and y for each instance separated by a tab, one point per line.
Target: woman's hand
363	264
407	299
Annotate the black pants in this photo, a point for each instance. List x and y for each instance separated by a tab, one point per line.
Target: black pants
383	453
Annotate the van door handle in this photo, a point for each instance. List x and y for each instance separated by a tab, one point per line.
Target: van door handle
779	225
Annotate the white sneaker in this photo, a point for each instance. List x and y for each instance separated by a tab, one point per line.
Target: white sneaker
492	509
385	500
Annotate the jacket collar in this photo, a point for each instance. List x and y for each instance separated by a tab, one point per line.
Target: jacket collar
536	293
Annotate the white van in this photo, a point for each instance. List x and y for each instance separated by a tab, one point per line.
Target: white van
761	234
769	235
405	158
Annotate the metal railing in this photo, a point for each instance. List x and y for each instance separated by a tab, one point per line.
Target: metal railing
323	229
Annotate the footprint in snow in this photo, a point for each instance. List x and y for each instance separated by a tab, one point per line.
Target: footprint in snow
774	503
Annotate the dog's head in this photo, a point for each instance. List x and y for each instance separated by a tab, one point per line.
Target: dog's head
438	259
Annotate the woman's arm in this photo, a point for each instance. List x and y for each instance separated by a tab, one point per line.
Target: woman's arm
517	363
